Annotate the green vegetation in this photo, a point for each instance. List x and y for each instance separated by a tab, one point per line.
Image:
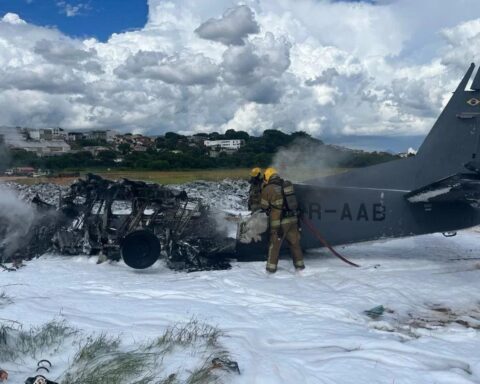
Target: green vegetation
103	359
15	342
177	152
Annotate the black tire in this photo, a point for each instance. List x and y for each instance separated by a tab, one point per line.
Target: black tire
140	249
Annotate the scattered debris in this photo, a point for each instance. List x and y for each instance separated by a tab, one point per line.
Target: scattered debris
39	379
414	325
375	312
225	364
42	365
438	316
132	220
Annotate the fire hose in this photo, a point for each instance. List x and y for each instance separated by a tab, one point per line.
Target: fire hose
316	233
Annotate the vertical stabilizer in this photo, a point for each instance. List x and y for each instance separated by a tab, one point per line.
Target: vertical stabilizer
455	137
463	84
451	147
476	81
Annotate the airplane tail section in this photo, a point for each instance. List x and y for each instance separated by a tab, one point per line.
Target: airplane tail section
452	147
453	144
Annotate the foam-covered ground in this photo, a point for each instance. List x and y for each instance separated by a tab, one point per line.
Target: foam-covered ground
284	328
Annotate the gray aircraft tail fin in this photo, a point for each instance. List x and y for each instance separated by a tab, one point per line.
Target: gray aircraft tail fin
454	140
452	147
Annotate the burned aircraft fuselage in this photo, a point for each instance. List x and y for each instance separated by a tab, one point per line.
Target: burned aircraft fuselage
134	221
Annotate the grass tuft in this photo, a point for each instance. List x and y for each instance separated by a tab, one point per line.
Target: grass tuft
114	367
187	334
16	342
96	346
102	359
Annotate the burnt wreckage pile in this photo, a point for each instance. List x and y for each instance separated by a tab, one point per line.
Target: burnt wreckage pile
130	220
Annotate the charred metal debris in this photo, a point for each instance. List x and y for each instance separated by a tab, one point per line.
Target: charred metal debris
131	220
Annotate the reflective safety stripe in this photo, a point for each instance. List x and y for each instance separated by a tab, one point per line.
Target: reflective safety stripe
299	263
288	189
278	203
272	266
289	220
275	223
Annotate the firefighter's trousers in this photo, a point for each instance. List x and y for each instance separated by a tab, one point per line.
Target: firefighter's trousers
289	233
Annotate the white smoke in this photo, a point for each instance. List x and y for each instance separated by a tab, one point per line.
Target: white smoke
4	158
4	155
16	220
305	159
12	137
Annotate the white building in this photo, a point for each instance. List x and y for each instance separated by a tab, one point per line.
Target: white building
225	144
44	148
44	134
34	134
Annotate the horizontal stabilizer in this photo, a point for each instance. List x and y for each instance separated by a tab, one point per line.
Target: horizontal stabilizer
462	187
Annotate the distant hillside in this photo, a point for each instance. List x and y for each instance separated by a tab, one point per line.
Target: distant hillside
174	151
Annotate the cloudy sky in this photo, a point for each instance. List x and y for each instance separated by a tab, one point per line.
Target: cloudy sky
371	74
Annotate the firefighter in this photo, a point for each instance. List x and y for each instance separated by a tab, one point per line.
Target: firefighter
255	192
279	202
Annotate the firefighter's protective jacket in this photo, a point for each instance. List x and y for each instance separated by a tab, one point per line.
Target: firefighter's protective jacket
283	219
272	201
255	194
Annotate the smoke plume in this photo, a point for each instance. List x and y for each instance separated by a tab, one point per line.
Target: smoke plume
4	156
306	159
16	219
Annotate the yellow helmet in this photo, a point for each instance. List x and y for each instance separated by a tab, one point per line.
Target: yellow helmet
255	172
269	172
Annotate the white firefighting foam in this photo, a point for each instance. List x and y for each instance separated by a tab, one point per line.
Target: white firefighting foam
287	327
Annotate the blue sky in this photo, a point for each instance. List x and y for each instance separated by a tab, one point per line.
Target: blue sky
81	18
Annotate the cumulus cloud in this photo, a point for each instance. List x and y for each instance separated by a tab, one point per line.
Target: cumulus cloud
463	41
257	68
44	79
187	69
68	53
331	68
72	10
232	28
12	18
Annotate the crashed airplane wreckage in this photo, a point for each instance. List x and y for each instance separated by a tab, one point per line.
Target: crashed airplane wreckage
436	191
130	220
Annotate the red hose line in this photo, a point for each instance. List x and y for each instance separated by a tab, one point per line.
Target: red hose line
320	238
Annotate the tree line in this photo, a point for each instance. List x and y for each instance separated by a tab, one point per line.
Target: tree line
176	152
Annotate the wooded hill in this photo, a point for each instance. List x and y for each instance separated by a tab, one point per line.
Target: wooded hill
174	151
